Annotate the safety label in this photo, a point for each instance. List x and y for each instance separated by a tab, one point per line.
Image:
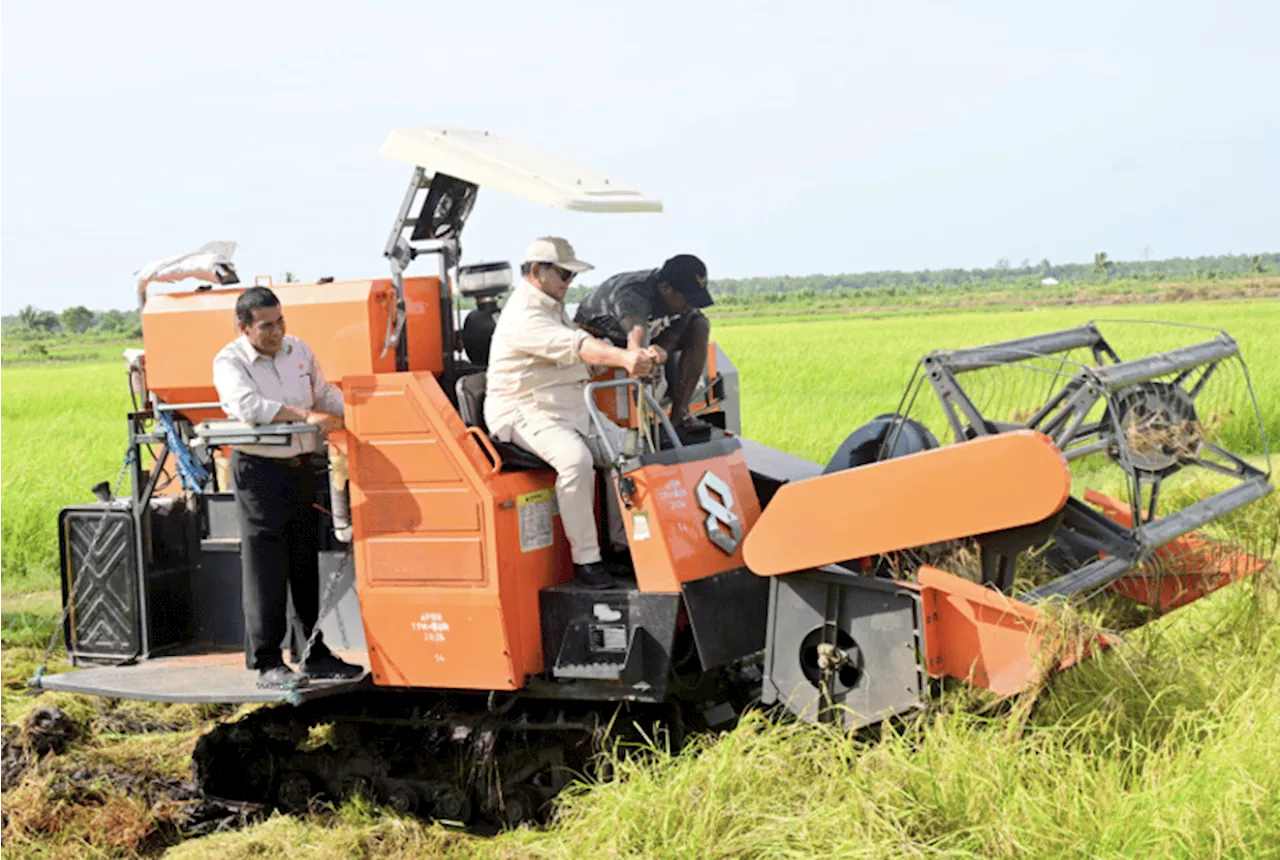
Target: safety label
432	626
535	510
639	526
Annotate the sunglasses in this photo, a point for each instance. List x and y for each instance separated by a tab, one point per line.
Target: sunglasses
565	274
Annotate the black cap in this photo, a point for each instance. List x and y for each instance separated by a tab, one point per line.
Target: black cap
687	275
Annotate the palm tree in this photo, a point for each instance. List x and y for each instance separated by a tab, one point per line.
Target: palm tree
1102	267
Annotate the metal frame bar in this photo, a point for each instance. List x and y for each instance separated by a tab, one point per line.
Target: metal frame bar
1150	537
982	357
1165	363
598	419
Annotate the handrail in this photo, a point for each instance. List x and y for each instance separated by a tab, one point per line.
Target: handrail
597	418
486	445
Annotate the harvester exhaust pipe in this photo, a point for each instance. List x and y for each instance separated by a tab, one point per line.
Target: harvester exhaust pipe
339	497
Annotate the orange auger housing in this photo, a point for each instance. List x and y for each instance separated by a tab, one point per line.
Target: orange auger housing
841	593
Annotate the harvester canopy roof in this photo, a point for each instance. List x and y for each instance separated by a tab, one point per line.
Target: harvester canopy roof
490	161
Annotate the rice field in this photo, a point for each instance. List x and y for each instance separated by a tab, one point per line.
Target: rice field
1165	746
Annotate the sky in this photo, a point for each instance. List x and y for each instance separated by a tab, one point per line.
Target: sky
797	139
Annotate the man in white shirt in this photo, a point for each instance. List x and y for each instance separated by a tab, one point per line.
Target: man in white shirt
538	370
266	377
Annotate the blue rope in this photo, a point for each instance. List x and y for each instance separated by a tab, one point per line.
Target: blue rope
191	473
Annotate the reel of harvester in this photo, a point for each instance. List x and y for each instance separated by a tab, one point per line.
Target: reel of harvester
1156	430
1013	476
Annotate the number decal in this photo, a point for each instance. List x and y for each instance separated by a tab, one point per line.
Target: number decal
723	526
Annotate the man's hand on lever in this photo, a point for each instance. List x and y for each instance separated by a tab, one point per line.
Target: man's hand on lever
639	363
323	422
636	361
326	423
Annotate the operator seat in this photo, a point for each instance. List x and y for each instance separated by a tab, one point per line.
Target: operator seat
470	391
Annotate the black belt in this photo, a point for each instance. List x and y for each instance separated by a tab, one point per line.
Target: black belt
298	461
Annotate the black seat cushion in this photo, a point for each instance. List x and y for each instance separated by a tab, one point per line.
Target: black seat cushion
470	390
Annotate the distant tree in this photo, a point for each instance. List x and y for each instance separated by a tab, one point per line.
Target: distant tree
1102	267
1257	264
47	321
289	278
1045	266
1003	264
77	320
1025	264
27	316
113	321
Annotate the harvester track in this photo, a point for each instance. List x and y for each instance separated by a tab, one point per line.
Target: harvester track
466	759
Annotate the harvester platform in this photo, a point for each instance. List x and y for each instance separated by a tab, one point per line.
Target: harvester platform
188	678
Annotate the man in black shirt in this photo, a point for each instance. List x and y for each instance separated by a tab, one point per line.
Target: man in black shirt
660	308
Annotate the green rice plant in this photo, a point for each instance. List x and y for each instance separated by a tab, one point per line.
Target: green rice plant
1164	745
63	431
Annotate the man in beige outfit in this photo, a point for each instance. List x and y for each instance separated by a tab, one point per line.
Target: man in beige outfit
539	366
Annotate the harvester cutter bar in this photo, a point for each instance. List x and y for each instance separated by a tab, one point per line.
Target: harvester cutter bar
1154	535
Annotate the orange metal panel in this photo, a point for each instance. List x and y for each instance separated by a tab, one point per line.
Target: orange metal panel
979	635
423	332
988	484
405	461
424	559
1185	569
458	541
425	638
384	412
343	322
417	509
667	528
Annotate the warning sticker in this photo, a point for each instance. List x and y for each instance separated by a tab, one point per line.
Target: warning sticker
639	526
535	510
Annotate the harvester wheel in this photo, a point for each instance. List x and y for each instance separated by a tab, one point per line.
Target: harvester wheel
451	804
519	805
294	792
403	799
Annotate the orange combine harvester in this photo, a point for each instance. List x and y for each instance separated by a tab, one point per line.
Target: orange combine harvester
842	593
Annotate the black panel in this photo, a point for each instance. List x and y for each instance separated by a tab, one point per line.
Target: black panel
218	515
869	627
216	593
728	612
99	583
618	635
446	208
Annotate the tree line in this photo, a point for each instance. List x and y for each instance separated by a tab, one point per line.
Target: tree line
32	322
1003	274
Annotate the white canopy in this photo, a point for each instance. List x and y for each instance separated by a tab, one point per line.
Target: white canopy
490	161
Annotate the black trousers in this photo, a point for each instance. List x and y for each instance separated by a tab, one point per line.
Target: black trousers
278	555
